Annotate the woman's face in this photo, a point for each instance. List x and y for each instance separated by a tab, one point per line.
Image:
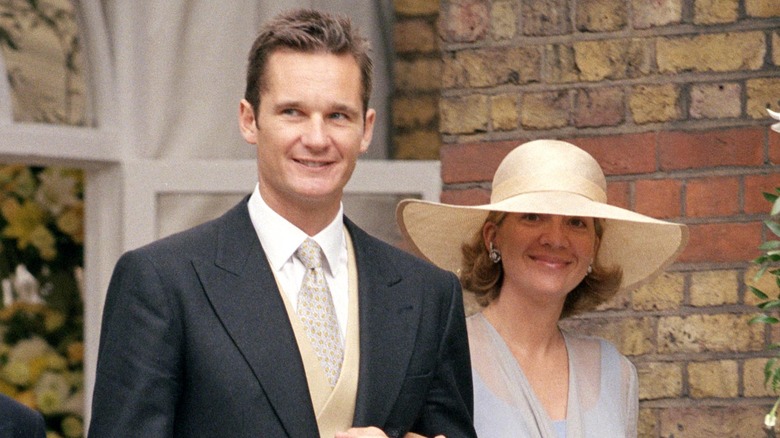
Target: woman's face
541	253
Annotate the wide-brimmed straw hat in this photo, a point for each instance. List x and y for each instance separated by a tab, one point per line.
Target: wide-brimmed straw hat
548	177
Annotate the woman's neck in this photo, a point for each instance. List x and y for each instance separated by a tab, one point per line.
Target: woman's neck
528	325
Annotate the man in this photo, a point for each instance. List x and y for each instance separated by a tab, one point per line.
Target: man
19	421
230	330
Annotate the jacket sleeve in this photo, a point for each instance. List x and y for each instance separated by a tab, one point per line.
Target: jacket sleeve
449	405
138	375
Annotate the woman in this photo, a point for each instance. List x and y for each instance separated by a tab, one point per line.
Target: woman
548	246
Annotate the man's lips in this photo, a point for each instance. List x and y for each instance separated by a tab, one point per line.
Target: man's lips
312	163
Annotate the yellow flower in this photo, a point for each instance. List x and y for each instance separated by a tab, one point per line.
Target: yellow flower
71	222
7	389
43	240
75	352
72	427
37	366
17	373
55	362
26	224
27	398
53	320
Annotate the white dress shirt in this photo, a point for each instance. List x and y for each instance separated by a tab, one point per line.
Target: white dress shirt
280	239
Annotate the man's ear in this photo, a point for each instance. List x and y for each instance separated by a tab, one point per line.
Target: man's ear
247	122
368	130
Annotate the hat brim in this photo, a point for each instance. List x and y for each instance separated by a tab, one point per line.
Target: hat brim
640	245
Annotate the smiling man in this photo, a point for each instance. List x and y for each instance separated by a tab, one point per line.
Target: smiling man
282	317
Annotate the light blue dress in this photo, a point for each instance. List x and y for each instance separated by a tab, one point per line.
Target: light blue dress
603	396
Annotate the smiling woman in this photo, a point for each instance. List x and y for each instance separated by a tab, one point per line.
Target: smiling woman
546	247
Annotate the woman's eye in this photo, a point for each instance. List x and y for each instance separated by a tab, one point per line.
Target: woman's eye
579	223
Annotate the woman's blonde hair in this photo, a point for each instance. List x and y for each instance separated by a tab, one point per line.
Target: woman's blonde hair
480	276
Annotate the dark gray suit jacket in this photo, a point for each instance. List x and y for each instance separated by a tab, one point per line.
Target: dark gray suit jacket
196	341
19	421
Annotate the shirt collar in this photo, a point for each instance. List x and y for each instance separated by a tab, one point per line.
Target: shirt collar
280	238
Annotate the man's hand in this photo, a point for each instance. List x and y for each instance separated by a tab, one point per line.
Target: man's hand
357	432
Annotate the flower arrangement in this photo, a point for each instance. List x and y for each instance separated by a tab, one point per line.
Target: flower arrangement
41	317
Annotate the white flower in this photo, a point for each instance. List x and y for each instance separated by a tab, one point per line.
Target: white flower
776	116
770	420
26	286
51	392
57	190
29	349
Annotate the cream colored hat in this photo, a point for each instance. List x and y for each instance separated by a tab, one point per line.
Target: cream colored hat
548	177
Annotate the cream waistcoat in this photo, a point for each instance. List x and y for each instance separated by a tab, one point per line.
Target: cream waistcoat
334	407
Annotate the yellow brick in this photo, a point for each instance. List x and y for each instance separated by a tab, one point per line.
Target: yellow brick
713	421
709	333
504	112
716	11
631	336
654	103
762	8
711	52
647	424
753	378
601	15
654	13
659	380
418	145
419	75
415	36
776	47
714	288
416	7
503	18
559	64
421	110
762	94
713	379
545	110
598	60
664	293
491	67
464	115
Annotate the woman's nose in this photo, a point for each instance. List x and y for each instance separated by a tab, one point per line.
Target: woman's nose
554	234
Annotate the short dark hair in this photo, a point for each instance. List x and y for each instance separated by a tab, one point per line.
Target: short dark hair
308	31
480	276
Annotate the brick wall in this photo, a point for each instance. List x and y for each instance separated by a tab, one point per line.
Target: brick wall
670	97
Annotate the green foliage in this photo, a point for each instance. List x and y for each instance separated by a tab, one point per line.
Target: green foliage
768	264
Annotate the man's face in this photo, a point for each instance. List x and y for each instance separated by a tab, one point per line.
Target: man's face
309	130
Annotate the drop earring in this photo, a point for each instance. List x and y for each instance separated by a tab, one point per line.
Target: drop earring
590	269
494	255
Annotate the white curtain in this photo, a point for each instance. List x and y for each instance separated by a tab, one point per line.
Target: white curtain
181	72
189	60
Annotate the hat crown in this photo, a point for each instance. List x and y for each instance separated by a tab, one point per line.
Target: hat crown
549	166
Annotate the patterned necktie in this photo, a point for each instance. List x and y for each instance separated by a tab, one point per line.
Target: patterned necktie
317	313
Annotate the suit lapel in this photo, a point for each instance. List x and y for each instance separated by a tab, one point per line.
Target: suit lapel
389	315
244	294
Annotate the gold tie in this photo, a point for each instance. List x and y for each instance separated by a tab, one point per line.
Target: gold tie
317	313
